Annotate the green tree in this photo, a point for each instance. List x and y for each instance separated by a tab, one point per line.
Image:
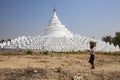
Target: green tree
116	39
107	39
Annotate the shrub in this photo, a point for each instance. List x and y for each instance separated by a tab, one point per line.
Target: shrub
45	52
109	53
28	52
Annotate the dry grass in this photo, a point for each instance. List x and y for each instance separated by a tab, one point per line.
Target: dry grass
57	66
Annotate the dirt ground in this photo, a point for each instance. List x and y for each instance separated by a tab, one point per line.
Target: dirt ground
59	67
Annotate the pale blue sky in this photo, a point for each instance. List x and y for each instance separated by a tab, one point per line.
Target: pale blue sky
96	18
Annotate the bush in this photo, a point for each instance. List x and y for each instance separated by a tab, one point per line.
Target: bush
28	52
109	53
45	52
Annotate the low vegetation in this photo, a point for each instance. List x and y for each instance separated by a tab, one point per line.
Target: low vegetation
109	53
29	52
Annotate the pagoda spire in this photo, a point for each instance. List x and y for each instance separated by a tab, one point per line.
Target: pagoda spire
54	10
54	20
55	28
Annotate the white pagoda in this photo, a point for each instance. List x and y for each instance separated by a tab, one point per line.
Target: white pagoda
56	38
56	29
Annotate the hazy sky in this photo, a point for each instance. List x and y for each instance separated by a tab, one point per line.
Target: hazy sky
96	18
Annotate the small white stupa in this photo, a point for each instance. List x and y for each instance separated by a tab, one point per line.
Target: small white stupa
57	38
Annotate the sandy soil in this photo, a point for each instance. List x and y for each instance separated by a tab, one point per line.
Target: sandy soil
59	67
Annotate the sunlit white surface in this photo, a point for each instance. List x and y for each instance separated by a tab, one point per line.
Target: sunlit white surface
57	38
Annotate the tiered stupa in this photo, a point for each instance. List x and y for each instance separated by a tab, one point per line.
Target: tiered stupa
56	29
56	38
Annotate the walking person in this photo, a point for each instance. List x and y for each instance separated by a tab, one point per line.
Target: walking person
92	54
